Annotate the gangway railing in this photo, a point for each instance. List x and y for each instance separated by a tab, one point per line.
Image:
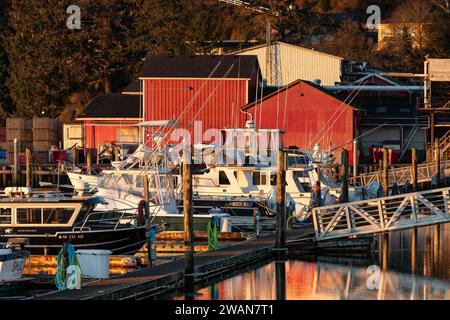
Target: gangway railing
382	214
400	176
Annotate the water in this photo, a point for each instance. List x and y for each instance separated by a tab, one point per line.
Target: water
409	265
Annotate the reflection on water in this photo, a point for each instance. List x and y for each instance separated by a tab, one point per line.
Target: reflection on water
413	264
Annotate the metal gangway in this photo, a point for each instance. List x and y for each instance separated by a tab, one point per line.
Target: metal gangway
402	175
382	214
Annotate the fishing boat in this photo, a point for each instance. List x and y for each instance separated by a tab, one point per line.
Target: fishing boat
49	219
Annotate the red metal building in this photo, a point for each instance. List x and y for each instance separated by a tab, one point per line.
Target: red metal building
210	89
309	115
111	120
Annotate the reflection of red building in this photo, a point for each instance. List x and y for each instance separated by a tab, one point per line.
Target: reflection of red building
309	115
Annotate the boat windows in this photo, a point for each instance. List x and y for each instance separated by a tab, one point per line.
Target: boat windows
273	179
223	179
29	215
44	215
57	215
259	179
5	215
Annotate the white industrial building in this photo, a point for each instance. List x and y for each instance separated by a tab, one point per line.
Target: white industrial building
298	63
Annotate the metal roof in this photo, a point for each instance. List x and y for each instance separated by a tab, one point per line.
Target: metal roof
113	106
200	66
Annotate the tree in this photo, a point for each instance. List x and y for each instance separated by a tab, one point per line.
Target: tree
160	28
5	101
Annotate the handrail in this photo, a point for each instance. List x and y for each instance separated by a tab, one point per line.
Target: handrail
382	214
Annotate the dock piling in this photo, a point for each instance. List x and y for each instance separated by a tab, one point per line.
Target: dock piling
74	156
28	162
89	161
414	169
188	223
281	201
344	176
437	157
385	171
16	164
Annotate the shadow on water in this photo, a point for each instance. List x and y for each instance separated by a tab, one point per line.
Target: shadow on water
410	264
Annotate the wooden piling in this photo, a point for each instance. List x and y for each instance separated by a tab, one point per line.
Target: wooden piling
146	197
344	176
28	162
437	157
188	223
318	190
355	158
281	201
414	169
15	165
75	157
5	176
385	175
88	161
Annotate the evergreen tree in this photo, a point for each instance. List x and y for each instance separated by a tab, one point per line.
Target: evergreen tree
5	101
160	28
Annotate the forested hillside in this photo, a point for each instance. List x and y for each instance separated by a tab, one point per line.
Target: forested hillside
46	68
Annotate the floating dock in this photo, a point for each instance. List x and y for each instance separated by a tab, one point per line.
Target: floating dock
160	279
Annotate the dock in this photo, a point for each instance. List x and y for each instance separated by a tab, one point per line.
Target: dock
158	280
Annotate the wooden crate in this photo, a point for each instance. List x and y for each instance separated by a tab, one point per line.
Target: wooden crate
40	146
21	146
46	123
41	157
46	135
18	123
19	134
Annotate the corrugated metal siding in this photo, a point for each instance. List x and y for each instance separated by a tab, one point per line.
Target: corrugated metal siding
309	116
301	63
216	103
98	133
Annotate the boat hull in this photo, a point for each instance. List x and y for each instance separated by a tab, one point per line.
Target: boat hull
11	267
119	241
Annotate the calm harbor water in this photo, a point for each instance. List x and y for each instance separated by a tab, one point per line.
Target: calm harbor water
411	264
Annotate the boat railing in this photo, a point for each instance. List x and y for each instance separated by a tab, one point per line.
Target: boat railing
125	214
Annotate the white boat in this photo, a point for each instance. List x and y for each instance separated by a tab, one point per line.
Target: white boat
12	263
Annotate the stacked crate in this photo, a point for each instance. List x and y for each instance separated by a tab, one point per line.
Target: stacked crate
46	134
20	129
